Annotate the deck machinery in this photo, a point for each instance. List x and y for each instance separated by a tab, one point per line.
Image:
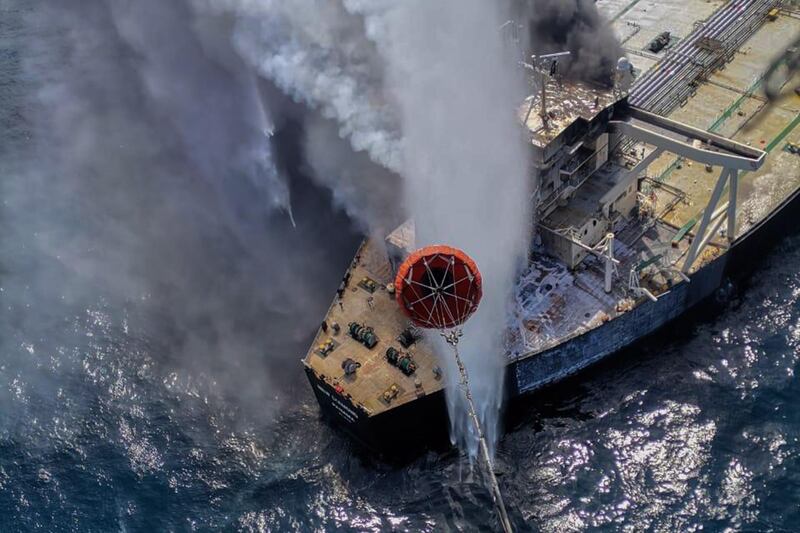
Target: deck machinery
605	269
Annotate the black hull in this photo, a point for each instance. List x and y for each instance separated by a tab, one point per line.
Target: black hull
423	422
406	428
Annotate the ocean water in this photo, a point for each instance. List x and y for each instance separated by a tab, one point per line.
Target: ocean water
111	420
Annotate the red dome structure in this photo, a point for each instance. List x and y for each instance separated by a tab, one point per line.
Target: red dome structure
438	287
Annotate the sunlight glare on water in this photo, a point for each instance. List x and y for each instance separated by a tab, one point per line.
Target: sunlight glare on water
111	422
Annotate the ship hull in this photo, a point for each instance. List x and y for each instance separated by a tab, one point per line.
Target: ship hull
717	280
424	421
421	422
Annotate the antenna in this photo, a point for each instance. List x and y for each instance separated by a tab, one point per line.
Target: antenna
546	66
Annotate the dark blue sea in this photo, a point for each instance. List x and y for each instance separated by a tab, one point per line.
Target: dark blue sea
152	320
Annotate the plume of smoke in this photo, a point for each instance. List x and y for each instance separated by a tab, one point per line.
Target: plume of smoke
318	53
151	183
466	170
320	56
575	26
370	194
232	125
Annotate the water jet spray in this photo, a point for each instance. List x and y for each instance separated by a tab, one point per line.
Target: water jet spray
439	287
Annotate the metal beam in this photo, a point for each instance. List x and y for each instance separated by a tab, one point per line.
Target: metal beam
599	253
623	184
707	157
609	261
711	233
708	138
732	188
644	163
698	243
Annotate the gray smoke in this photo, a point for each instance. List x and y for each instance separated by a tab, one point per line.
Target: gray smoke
145	181
318	53
370	194
321	55
575	26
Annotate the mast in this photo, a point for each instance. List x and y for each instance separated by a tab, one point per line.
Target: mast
545	65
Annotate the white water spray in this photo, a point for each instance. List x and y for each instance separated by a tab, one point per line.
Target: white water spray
466	176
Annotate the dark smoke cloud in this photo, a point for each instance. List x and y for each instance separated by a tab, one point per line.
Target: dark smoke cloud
148	182
575	26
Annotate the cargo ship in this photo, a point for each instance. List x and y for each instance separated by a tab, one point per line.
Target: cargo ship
618	250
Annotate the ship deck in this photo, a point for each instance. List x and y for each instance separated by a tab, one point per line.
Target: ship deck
375	376
730	102
554	303
566	102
